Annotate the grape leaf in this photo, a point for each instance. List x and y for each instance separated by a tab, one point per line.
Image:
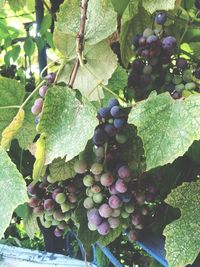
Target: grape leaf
67	123
27	132
183	234
120	6
167	127
101	63
130	11
61	170
29	219
11	94
11	184
111	236
129	29
194	46
11	130
17	5
101	19
118	80
152	6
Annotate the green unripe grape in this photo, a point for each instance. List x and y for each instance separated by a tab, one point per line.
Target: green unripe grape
80	166
121	138
47	224
96	168
111	121
169	77
58	215
89	192
92	227
65	206
177	79
129	208
98	198
147	70
186	93
148	32
99	151
125	214
50	179
190	86
116	213
88	203
60	198
180	87
187	76
88	180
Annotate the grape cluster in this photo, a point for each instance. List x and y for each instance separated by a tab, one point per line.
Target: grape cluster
158	64
113	196
54	202
38	104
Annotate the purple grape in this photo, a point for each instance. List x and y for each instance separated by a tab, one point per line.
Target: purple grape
121	186
116	112
99	137
34	202
43	90
114	222
94	217
138	65
104	228
48	204
140	197
161	18
181	63
113	190
110	130
152	39
142	41
124	172
37	107
125	197
71	188
145	53
170	88
58	232
113	102
136	39
114	202
105	210
136	218
107	179
169	43
133	235
197	73
119	123
50	77
32	189
72	198
38	211
104	113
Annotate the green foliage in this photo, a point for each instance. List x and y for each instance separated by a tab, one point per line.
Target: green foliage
109	238
183	247
62	122
152	6
11	184
29	46
61	170
167	127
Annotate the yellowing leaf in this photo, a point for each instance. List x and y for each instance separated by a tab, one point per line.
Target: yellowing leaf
10	132
39	165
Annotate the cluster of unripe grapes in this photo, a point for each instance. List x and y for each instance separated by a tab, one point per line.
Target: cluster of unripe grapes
159	65
38	104
54	202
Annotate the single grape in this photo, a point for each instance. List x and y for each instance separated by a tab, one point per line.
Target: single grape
72	198
50	77
125	197
43	90
133	235
94	217
113	190
129	207
37	107
38	211
116	112
58	232
60	198
50	179
92	227
161	18
138	65
119	123
124	172
176	95
177	79
140	197
135	40
99	137
124	214
89	192
113	102
114	222
114	202
107	179
190	86
49	204
80	166
99	151
110	130
121	138
95	189
62	225
145	53
169	43
121	186
105	210
88	203
148	32
152	39
65	206
181	63
136	218
34	202
96	168
58	215
116	213
104	113
187	75
98	198
71	188
170	87
103	228
142	41
180	87
88	180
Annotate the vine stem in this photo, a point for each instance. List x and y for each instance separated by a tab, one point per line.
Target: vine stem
79	43
10	107
31	94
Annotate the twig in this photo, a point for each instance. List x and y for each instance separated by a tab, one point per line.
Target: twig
79	43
